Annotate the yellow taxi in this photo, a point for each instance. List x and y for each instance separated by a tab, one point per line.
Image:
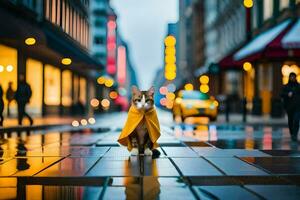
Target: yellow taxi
195	104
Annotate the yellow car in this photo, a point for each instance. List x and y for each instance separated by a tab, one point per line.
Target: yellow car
195	104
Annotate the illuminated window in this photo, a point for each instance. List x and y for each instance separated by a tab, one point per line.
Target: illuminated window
52	85
67	18
284	4
268	9
58	13
67	88
53	12
8	56
34	77
82	95
76	89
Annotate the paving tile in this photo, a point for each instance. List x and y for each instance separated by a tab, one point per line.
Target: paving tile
75	166
236	167
107	143
90	152
216	152
26	166
277	165
108	167
117	152
196	167
159	167
274	192
197	144
179	152
232	192
62	192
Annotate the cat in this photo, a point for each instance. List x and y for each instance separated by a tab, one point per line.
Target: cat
143	101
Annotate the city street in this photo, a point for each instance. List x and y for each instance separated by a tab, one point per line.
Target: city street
214	161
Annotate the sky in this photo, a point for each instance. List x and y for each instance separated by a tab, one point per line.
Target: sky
143	25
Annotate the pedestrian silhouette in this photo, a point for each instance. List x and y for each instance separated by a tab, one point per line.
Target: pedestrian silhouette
291	99
1	106
10	95
22	96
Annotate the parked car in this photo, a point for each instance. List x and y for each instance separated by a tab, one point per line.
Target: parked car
195	104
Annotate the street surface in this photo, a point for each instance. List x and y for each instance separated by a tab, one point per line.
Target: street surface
214	161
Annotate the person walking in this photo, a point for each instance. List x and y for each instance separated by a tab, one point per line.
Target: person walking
291	100
22	96
10	95
1	106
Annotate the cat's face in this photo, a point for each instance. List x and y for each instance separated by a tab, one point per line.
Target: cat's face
142	100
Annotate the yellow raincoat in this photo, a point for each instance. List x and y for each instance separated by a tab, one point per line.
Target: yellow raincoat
134	118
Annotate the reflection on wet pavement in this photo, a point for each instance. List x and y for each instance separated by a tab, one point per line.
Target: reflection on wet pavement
196	162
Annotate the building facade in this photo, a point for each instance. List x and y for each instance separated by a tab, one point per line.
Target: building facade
48	42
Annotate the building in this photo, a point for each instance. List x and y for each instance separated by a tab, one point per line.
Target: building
48	42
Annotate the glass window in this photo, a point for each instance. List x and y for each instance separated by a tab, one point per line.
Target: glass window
34	77
66	88
82	95
8	70
284	4
52	85
53	11
268	9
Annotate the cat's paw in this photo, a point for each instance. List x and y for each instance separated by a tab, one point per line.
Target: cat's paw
134	152
148	152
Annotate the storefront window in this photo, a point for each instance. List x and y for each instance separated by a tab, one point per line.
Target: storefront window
82	95
34	77
67	88
284	4
8	71
268	9
52	85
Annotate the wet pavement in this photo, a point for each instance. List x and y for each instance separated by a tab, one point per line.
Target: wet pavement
196	162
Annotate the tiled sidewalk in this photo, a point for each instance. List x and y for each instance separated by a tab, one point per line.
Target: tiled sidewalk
93	166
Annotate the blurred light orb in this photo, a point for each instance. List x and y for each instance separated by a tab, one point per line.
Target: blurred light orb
216	103
112	24
170	51
1	68
163	90
204	79
83	122
204	88
92	120
169	104
171	87
170	59
163	101
170	67
170	41
295	69
247	66
109	82
105	103
170	75
94	102
285	70
75	123
101	80
9	68
113	94
170	96
178	100
66	61
248	3
30	41
188	86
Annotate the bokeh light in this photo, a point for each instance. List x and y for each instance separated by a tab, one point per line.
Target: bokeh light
163	101
66	61
75	123
94	102
163	90
109	82
101	80
248	3
170	59
247	66
30	41
188	86
204	88
113	94
170	41
170	96
1	68
204	79
170	51
92	120
122	91
9	68
171	87
83	122
105	103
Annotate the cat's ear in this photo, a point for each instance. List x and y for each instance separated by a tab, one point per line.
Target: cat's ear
134	89
151	91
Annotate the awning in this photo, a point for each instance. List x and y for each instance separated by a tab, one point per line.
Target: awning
256	47
292	39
